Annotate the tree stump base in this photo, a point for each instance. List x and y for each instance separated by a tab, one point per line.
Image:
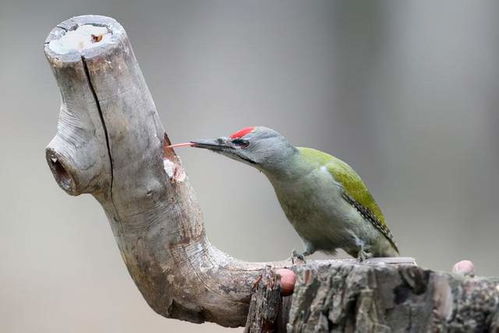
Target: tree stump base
382	298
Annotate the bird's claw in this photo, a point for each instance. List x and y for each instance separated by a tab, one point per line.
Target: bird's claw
297	255
363	256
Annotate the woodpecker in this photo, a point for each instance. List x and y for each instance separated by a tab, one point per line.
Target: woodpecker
324	199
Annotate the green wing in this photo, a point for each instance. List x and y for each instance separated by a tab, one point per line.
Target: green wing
354	186
355	191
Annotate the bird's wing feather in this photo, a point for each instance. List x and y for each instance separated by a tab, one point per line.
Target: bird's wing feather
354	186
355	191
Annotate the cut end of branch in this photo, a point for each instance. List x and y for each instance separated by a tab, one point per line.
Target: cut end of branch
61	174
84	37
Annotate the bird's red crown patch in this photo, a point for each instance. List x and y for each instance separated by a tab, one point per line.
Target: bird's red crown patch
241	133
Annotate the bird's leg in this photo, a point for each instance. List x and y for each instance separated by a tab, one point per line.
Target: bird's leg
309	249
360	250
361	256
364	254
295	254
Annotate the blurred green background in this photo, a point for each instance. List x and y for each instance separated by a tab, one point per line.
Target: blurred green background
407	92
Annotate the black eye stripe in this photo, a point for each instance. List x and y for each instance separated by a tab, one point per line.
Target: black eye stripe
240	142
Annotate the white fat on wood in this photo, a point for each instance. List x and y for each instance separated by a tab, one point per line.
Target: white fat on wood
169	167
174	171
84	37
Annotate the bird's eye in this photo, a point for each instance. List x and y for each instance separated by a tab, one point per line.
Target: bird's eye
241	143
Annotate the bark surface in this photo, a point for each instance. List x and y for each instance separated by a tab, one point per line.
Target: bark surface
363	298
110	143
372	297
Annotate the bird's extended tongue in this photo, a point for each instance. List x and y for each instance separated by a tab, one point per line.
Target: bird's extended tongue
179	145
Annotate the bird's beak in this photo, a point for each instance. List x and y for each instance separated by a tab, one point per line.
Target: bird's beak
222	146
218	145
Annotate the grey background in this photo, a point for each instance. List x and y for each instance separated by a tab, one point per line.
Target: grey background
405	91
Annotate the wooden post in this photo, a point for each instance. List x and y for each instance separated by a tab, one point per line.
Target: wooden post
110	143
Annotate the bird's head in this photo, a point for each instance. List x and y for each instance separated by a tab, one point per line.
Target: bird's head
258	146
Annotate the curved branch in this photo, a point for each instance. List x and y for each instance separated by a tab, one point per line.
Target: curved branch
109	143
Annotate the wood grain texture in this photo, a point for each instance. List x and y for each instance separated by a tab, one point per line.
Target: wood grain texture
109	143
265	305
376	298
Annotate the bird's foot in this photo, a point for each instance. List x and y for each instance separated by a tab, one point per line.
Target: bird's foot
363	255
299	256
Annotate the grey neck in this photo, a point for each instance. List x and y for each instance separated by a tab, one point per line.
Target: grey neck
290	167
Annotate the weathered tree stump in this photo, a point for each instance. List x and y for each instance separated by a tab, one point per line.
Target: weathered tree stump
111	144
361	298
353	297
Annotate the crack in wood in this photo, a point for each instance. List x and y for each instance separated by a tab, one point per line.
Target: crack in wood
101	115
